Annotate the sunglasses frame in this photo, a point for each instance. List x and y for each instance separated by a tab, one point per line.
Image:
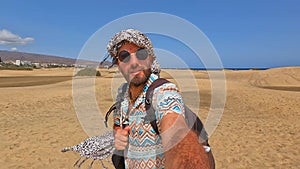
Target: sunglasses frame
125	60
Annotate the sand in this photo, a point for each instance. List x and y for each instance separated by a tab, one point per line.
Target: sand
259	127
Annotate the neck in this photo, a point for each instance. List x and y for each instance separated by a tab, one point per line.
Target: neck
135	91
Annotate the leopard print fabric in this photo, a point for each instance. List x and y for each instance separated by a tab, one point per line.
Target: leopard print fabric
136	37
96	148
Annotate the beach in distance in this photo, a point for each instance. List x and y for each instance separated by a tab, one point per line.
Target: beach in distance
258	128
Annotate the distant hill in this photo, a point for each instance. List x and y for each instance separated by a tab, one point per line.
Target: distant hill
41	58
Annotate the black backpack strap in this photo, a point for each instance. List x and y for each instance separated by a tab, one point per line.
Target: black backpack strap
118	155
116	105
112	108
192	120
150	116
118	159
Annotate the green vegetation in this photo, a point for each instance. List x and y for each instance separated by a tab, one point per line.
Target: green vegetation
88	72
14	67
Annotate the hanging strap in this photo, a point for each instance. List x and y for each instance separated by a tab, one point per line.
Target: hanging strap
115	105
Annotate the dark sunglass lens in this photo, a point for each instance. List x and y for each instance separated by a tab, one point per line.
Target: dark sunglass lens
124	56
142	54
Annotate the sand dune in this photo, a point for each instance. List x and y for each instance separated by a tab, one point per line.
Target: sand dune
278	78
259	127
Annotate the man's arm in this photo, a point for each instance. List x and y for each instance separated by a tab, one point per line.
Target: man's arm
181	144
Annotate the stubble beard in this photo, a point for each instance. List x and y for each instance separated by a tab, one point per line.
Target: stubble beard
138	80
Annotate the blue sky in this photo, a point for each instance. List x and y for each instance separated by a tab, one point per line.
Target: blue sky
256	33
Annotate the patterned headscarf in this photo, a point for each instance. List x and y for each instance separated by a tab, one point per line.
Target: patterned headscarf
136	37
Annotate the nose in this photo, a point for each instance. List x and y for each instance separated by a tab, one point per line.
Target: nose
133	59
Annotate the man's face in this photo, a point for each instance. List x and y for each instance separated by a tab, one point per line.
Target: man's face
135	71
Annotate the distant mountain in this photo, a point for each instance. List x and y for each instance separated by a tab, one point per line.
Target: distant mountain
41	58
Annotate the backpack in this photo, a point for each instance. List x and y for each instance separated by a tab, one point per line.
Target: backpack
192	120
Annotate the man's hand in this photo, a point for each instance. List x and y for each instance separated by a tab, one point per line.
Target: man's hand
121	138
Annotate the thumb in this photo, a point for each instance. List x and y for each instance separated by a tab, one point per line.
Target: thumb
126	129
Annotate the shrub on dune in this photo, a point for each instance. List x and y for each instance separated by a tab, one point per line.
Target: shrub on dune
88	72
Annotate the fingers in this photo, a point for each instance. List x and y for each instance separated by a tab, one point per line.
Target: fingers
120	145
126	129
121	138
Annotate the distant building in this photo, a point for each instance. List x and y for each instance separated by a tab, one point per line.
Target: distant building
26	63
18	62
36	65
44	65
80	66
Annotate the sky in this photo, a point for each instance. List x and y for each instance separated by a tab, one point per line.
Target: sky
243	34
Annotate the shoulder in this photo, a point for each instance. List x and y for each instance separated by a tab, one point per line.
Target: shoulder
120	97
167	90
121	91
167	95
168	100
167	87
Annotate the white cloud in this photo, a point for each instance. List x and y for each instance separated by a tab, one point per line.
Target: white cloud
8	38
13	49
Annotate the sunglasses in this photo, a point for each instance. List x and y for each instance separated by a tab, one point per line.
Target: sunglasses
124	56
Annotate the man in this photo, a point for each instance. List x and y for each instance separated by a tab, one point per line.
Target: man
176	146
